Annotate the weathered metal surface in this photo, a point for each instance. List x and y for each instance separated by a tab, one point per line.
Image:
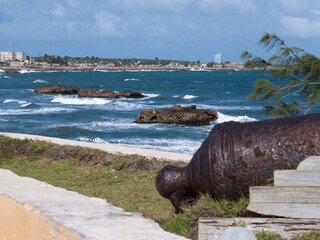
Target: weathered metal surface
238	155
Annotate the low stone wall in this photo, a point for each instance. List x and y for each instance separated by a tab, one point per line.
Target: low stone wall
19	221
34	210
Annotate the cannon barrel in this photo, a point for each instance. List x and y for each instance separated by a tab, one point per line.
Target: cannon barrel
238	155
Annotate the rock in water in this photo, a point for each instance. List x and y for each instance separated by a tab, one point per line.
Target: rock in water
237	155
94	93
190	116
57	90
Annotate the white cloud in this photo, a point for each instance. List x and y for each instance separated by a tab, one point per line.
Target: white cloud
240	6
73	3
109	25
59	9
299	8
153	6
301	27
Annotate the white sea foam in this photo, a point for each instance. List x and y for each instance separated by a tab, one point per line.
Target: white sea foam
22	103
36	111
80	101
23	71
6	77
26	105
227	107
121	105
40	81
198	70
112	125
187	97
131	79
1	71
227	118
167	145
175	96
123	125
88	139
151	95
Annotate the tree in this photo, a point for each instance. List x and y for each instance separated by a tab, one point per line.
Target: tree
295	74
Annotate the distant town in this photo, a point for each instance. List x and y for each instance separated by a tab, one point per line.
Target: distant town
19	60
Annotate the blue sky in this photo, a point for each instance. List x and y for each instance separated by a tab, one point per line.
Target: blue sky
167	29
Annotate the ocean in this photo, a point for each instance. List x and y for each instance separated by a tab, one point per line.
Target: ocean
112	120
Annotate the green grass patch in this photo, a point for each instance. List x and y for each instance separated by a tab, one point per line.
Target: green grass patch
313	235
126	181
266	235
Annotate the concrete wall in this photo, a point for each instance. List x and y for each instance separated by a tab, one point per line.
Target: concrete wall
18	221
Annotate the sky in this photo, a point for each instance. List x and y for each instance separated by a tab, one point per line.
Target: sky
168	29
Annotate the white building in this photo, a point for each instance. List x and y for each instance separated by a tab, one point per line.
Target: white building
8	56
21	56
217	58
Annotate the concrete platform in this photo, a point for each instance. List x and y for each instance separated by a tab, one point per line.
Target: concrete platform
67	215
111	148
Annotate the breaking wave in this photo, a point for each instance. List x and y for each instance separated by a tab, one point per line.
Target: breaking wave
23	71
151	95
22	103
40	81
41	111
80	101
187	97
131	79
227	118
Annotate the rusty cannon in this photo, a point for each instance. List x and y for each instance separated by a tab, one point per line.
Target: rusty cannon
238	155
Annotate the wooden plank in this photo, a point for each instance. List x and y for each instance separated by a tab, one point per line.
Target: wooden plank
291	194
296	202
310	163
291	210
212	228
296	178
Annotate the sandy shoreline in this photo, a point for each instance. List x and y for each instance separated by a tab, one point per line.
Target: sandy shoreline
111	148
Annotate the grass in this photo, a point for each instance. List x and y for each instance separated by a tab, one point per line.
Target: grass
126	181
313	235
266	235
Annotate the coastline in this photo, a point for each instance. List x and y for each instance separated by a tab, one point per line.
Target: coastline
10	69
111	148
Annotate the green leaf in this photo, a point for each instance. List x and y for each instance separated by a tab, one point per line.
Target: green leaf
295	73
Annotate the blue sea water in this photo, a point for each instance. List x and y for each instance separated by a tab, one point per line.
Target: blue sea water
112	120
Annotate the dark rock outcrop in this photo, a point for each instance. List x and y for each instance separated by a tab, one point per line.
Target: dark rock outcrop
94	93
237	155
190	116
91	93
57	90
